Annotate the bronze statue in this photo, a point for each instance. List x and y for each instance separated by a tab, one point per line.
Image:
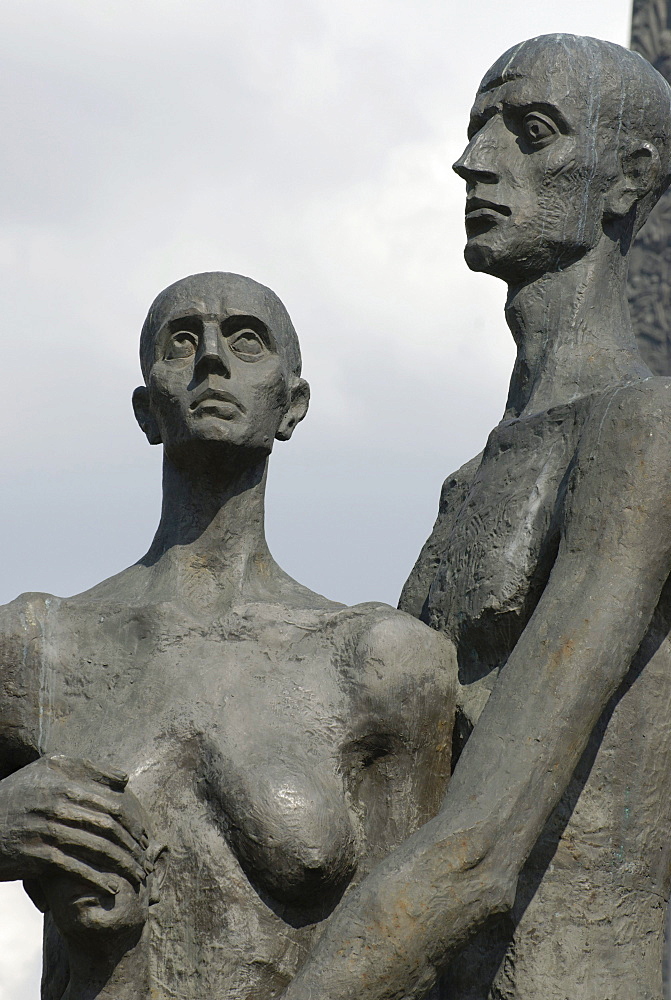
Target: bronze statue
547	568
279	744
650	263
276	742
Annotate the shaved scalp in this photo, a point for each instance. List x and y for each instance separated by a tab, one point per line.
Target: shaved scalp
236	291
624	96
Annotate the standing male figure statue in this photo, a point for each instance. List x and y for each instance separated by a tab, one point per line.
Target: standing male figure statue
548	569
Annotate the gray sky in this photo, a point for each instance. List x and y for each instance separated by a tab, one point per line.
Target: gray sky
306	143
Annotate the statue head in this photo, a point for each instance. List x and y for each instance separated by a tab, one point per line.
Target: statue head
569	148
221	363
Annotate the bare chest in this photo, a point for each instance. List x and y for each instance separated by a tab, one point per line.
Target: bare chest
501	541
214	704
240	737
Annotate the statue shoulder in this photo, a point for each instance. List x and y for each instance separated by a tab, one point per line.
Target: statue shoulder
397	653
458	484
452	495
650	396
619	484
629	420
24	626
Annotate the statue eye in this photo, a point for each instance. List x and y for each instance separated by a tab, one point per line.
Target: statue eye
182	344
537	129
248	345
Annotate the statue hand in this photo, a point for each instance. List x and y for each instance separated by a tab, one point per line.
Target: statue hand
63	814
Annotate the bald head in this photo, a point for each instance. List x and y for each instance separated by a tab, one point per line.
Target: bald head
623	99
219	292
568	151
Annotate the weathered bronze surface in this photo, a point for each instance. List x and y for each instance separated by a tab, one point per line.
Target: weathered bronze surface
650	265
547	568
257	747
214	780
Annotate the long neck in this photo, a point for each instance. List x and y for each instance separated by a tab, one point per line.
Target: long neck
573	333
210	542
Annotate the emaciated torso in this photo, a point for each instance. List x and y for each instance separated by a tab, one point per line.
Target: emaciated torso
267	747
598	878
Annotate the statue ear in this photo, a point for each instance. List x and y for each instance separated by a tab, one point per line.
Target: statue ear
298	407
144	416
637	176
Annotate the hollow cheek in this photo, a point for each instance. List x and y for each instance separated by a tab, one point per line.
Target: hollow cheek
569	202
169	385
169	400
269	401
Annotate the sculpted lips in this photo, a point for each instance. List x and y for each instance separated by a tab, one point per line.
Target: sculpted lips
481	215
478	204
209	394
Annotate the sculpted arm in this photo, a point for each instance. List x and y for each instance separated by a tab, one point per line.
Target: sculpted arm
407	682
57	814
397	929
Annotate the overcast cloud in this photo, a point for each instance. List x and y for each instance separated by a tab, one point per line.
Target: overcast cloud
306	143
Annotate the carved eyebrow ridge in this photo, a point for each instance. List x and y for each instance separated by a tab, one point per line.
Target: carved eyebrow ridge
499	81
229	326
189	319
480	118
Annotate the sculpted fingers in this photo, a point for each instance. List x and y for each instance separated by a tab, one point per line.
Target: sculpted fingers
97	822
46	856
90	848
81	769
101	789
115	805
71	808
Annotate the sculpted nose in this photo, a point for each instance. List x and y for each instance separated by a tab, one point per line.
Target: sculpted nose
477	162
212	354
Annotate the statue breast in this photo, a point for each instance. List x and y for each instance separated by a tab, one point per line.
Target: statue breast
290	828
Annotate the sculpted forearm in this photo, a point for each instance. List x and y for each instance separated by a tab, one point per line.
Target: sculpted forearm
421	904
408	917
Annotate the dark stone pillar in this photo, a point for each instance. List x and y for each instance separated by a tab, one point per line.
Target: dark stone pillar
650	267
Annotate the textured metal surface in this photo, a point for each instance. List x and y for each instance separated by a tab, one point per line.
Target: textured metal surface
191	779
650	269
547	568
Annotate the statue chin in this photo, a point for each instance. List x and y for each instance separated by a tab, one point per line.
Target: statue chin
475	257
480	258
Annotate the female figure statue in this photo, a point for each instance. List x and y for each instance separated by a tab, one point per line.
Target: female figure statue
278	743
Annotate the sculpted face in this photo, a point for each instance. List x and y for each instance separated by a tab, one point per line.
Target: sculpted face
541	157
219	375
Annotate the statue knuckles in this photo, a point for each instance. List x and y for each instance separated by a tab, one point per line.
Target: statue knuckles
68	823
